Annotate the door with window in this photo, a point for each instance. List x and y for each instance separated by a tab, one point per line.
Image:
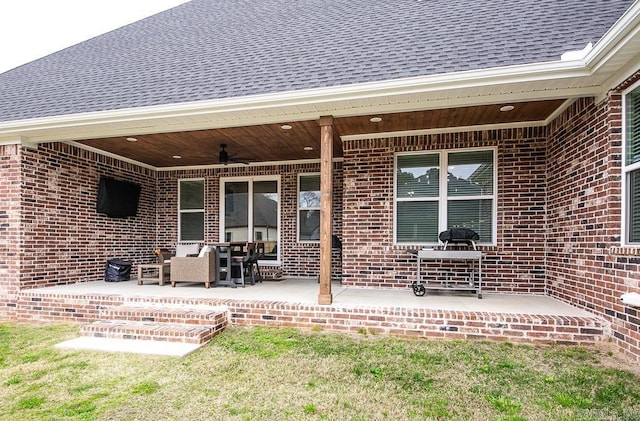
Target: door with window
250	211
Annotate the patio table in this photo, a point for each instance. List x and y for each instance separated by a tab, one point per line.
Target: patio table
156	272
224	259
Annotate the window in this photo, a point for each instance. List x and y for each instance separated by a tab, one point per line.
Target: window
191	210
631	167
250	211
309	207
430	200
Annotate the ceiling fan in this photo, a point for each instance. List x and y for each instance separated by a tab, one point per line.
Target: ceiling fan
224	157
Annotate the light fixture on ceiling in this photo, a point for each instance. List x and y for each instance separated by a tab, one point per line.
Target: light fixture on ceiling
308	148
506	108
177	156
375	119
132	139
286	127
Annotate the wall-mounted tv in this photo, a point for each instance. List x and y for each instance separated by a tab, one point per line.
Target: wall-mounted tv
117	198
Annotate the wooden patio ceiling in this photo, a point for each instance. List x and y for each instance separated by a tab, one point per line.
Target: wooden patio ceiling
271	143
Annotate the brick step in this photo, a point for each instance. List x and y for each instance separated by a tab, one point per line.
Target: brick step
209	316
149	331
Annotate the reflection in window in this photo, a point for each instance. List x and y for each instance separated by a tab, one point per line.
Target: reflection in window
309	207
265	216
191	210
251	213
423	209
236	214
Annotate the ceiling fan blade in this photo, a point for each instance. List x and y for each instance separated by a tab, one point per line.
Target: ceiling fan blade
240	160
225	157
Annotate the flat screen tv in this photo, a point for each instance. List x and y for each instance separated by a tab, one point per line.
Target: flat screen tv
117	198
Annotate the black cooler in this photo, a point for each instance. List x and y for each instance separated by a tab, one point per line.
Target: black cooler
117	270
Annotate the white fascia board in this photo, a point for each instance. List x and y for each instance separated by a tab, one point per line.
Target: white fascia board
17	140
80	124
111	155
625	28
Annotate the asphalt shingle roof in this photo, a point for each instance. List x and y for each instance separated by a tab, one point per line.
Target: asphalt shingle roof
213	49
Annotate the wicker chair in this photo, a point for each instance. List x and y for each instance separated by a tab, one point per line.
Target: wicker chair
194	269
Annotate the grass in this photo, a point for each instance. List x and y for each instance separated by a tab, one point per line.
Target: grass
280	374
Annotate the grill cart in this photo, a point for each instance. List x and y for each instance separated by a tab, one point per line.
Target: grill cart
447	269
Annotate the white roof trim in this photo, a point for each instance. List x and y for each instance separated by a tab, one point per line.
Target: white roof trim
111	155
626	27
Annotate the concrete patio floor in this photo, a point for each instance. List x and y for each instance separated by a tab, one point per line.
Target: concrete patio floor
305	291
140	311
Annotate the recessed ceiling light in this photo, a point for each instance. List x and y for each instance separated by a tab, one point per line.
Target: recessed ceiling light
286	127
132	139
308	148
506	108
177	156
375	119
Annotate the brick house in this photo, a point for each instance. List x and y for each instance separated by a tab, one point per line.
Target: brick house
372	112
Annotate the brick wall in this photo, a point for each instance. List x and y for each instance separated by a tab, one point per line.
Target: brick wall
64	239
515	264
585	264
10	182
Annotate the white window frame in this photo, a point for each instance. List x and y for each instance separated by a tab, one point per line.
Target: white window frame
298	208
250	181
203	210
626	170
443	196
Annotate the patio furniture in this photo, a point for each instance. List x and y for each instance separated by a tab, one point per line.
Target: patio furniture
200	268
187	249
253	267
156	272
245	261
223	265
231	263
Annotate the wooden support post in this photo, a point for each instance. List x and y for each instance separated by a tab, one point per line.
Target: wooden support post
326	207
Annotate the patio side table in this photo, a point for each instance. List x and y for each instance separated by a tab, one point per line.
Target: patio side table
155	272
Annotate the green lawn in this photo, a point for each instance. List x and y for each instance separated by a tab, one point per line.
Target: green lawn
277	374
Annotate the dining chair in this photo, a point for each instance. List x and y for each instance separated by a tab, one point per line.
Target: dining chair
253	267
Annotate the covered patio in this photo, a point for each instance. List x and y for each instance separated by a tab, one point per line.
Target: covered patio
292	303
304	291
